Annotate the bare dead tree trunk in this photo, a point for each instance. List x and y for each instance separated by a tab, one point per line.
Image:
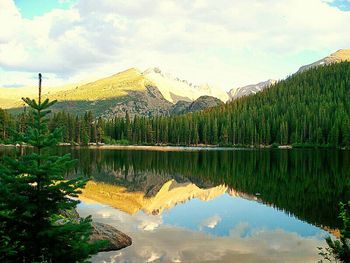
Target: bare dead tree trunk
39	88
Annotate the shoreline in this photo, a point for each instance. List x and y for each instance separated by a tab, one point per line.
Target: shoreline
159	148
178	148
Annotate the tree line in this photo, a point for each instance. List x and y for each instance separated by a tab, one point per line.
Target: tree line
75	129
311	107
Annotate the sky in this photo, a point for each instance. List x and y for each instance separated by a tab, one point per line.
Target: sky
225	43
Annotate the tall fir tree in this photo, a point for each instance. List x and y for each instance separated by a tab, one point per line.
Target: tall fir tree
33	196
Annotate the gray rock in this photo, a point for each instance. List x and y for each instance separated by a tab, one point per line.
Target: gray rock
180	107
204	102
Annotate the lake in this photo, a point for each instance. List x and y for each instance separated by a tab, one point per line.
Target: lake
265	205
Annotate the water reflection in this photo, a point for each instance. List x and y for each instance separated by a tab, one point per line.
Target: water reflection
248	206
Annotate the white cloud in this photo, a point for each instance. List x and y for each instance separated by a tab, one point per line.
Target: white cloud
211	222
220	42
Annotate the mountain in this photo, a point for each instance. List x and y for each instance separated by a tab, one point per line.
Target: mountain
149	93
174	89
339	56
203	102
127	91
250	89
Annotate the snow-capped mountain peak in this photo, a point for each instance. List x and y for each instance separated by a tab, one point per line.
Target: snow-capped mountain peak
175	89
236	93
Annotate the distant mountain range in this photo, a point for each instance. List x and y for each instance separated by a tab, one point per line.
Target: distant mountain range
148	93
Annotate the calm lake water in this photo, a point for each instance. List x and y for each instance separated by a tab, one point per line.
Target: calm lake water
215	206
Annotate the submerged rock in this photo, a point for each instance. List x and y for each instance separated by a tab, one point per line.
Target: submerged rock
117	240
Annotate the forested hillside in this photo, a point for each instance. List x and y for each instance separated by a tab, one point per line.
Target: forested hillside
311	107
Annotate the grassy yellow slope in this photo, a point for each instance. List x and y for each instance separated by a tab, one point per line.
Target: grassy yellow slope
110	87
114	86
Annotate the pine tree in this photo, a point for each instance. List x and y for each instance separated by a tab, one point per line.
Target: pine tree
33	196
339	249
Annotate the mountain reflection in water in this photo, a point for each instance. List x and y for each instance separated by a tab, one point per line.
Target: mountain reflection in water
169	195
307	184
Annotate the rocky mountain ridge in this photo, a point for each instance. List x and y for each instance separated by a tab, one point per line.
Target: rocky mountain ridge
336	57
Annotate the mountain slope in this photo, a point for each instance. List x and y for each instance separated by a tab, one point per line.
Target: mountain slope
250	89
339	56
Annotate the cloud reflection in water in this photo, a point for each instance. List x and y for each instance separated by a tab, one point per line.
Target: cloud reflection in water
156	239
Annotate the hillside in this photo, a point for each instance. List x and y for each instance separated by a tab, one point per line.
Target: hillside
312	107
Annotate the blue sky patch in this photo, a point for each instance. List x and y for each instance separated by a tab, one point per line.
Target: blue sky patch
32	8
343	5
